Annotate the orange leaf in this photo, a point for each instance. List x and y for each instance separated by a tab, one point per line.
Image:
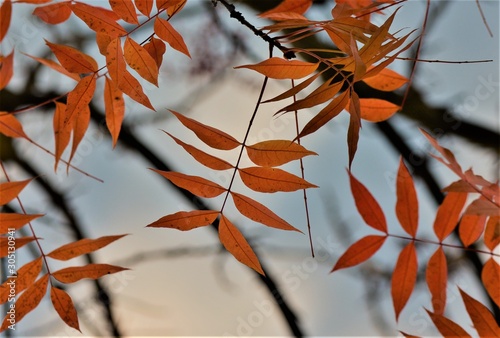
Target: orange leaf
174	6
481	317
26	276
407	202
125	10
80	126
10	190
294	6
163	4
115	108
283	16
386	80
213	137
447	327
278	68
64	306
167	33
28	301
19	242
236	244
98	19
206	159
321	94
156	48
57	67
436	276
103	41
471	227
448	214
194	184
482	206
15	221
492	233
81	247
276	152
5	16
372	47
259	213
10	126
141	61
376	110
130	86
354	126
54	13
79	99
72	59
450	162
295	89
62	131
265	179
92	271
491	279
367	205
144	6
6	69
404	277
186	220
360	251
115	61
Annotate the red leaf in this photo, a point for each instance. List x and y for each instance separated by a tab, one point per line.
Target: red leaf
114	106
15	221
139	59
92	271
80	126
354	126
471	227
367	206
450	162
64	306
98	19
156	48
491	279
482	206
10	126
437	276
481	317
277	68
360	251
195	184
407	202
276	152
82	247
448	214
186	220
265	179
26	276
404	277
53	14
6	69
167	33
492	233
5	16
125	10
447	327
72	59
10	190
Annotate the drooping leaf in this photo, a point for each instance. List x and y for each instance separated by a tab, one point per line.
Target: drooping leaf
213	137
80	126
115	61
321	94
274	153
259	213
144	6
79	99
53	14
198	186
278	68
266	179
448	214
295	89
186	220
28	300
482	206
492	232
367	205
165	4
55	66
156	48
407	202
237	245
471	227
491	279
103	41
450	162
82	247
130	86
98	19
174	6
481	317
386	80
62	131
5	16
10	126
167	33
404	277
114	106
20	242
92	271
293	6
360	251
354	126
72	59
6	69
26	276
447	327
64	307
10	190
125	9
15	221
372	47
436	276
141	61
377	110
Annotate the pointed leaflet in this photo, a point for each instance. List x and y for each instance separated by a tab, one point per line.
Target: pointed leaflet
448	214
447	327
115	61
14	221
276	152
386	80
144	6
265	179
53	14
6	69
64	306
259	213
125	10
482	206
5	16
404	277
450	162
156	48
62	131
194	184
354	126
295	89
213	137
367	206
294	6
10	126
491	279
20	241
360	251
186	220
55	66
237	245
92	271
80	126
492	233
28	300
372	47
141	61
206	159
407	202
10	190
376	110
130	86
481	317
103	41
81	247
72	59
436	276
114	106
169	4
471	227
26	276
277	68
167	33
79	99
321	94
98	19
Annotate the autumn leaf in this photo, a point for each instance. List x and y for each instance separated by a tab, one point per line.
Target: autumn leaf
491	279
62	131
114	106
404	277
156	48
278	68
360	251
482	206
367	206
483	320
80	126
448	214
81	247
407	202
194	184
130	86
492	233
354	126
293	6
274	153
436	276
450	162
55	66
295	89
20	242
386	80
26	276
167	33
471	227
53	14
10	190
265	179
10	126
321	94
213	137
186	220
237	245
72	59
15	221
5	16
125	10
6	69
144	6
447	327
64	307
376	110
115	61
98	19
92	271
79	98
139	59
